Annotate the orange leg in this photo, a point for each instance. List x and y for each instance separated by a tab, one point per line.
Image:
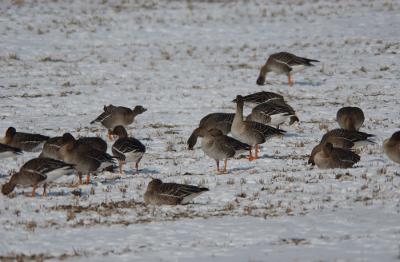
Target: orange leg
88	179
110	135
44	189
225	165
290	80
121	165
251	158
257	150
34	190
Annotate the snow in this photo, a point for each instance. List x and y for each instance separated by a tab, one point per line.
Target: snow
61	61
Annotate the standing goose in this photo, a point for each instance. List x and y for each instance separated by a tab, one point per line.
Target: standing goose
159	193
86	159
283	63
9	151
273	112
249	132
391	146
332	157
118	116
350	118
221	121
24	141
221	147
51	148
342	138
127	149
36	172
255	99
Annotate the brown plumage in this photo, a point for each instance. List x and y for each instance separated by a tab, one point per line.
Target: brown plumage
219	147
273	112
221	121
86	159
9	151
51	148
391	146
38	171
283	63
332	157
350	118
118	116
249	132
159	193
255	99
24	141
127	149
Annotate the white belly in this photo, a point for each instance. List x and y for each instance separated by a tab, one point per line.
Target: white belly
279	119
133	157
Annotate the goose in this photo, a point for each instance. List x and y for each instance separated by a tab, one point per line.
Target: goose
332	157
283	63
118	116
36	172
127	149
9	151
86	159
249	132
24	141
255	99
391	147
342	138
51	148
221	121
273	112
219	147
350	118
159	193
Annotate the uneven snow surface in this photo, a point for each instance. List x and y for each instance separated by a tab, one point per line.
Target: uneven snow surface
61	61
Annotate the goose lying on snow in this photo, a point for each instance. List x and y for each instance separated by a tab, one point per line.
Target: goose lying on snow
24	141
391	146
159	193
350	118
332	157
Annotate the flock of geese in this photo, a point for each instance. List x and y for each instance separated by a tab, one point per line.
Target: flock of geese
65	155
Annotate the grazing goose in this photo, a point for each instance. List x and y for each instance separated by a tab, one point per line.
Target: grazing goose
273	112
249	132
221	121
283	63
350	118
255	99
24	141
391	146
51	148
221	147
118	116
36	172
9	151
86	159
159	193
127	149
342	138
332	157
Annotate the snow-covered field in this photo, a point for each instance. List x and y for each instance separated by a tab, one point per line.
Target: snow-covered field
61	61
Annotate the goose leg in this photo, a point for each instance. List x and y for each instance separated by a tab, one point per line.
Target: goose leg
110	135
217	161
137	167
225	165
80	178
44	189
88	178
290	80
34	190
251	158
121	165
257	150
